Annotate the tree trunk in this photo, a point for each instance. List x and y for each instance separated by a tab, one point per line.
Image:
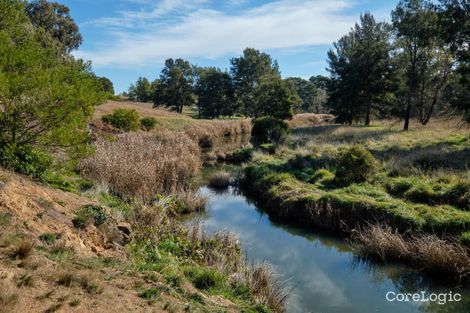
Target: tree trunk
406	126
367	121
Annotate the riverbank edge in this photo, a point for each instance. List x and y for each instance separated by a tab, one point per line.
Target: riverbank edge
401	240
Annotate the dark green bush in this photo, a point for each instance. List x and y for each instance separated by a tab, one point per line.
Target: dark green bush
269	130
25	160
123	119
205	278
241	155
148	123
48	238
354	165
89	213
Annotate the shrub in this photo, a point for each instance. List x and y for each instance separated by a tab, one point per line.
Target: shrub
148	123
144	165
355	165
205	278
241	155
89	213
48	238
123	119
269	130
219	179
25	160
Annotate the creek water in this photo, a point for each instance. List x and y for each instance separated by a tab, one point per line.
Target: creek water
321	269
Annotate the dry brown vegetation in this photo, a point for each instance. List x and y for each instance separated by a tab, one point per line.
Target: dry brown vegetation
144	165
442	257
309	119
220	179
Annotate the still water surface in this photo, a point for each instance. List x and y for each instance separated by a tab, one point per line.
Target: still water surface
324	274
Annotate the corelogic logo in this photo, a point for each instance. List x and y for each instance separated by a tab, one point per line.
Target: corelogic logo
439	298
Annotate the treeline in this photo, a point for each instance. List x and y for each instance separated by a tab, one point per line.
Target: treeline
46	95
412	68
253	87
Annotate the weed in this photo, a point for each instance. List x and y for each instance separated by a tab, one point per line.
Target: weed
49	238
88	213
205	278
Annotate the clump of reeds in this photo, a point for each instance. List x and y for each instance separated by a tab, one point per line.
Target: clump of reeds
206	132
144	165
219	180
436	255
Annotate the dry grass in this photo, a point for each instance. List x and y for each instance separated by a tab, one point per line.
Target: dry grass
144	165
442	257
265	284
8	298
205	133
22	250
220	179
309	119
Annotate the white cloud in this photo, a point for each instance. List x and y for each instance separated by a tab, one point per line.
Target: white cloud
176	28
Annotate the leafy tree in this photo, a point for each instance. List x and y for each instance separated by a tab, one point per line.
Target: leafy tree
273	97
107	85
55	19
320	81
175	88
306	91
454	18
216	95
142	90
46	97
416	27
247	71
361	70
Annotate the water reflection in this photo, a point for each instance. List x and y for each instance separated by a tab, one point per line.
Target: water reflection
325	275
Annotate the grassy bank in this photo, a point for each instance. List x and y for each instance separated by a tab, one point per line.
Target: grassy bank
347	178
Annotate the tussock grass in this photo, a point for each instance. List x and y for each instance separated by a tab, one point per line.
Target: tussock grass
439	256
309	119
22	250
144	165
220	179
8	298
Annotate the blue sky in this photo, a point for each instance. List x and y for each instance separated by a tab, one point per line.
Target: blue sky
126	39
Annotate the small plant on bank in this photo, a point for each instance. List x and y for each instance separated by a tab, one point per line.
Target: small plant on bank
48	238
269	130
89	213
123	119
148	123
355	165
241	155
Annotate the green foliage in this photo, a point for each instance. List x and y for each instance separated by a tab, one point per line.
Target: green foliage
46	96
25	160
48	238
216	95
89	213
150	294
269	148
465	238
323	176
175	87
361	70
269	130
306	91
205	278
142	91
273	97
55	19
247	71
106	85
241	155
355	165
148	123
123	119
